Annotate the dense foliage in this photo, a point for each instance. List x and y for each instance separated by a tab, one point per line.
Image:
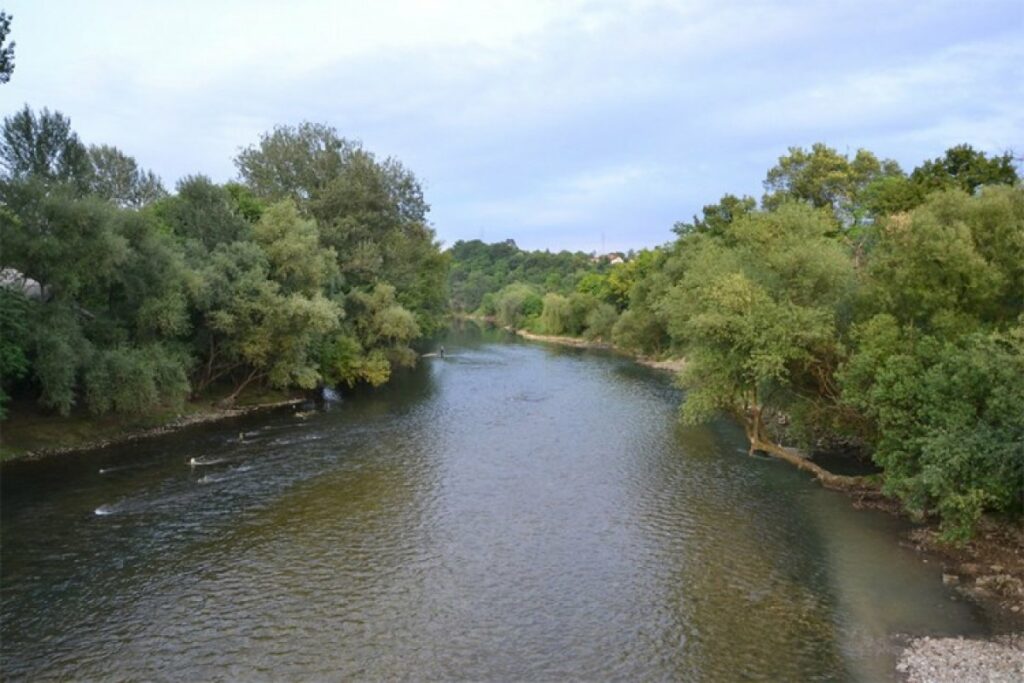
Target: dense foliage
478	269
865	305
318	267
855	304
552	293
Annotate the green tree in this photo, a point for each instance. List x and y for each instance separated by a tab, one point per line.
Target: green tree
639	330
948	429
107	279
43	147
936	364
370	211
71	246
294	162
757	314
555	316
955	261
135	379
292	245
6	50
374	340
15	339
622	278
258	329
516	303
478	269
581	304
204	215
117	177
600	321
642	327
965	168
826	179
717	217
890	195
596	285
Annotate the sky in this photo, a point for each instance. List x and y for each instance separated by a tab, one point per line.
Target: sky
582	125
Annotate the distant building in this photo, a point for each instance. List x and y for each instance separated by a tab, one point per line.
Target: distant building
612	258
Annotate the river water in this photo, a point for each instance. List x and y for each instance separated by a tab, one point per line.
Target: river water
508	512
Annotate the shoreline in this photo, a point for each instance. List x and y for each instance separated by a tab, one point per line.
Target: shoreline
988	569
129	434
667	364
963	660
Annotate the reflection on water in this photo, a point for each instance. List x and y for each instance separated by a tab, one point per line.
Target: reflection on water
509	511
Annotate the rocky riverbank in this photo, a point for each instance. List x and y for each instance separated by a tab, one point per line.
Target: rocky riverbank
989	568
963	660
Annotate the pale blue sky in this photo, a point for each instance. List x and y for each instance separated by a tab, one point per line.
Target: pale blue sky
548	122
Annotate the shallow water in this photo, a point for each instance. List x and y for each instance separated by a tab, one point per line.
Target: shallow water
510	511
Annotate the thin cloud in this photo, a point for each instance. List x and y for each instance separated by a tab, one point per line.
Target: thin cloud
551	123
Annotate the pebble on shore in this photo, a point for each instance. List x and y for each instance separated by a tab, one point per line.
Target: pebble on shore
964	660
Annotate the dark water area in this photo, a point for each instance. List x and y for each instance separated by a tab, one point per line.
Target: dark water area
508	512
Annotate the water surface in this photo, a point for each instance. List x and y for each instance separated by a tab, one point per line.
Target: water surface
510	511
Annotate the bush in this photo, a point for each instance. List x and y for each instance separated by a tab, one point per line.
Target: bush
134	381
489	304
639	330
516	303
555	316
950	429
581	305
600	321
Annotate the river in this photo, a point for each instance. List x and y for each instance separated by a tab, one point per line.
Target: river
508	512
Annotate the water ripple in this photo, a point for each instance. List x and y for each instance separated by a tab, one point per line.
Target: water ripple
509	512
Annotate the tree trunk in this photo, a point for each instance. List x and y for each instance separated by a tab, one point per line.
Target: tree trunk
230	400
759	443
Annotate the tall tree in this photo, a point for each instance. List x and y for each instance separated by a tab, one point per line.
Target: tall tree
118	178
43	147
717	217
296	162
204	215
757	314
6	51
826	179
965	168
371	212
953	263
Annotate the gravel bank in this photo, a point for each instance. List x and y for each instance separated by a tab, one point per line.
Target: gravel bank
962	660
